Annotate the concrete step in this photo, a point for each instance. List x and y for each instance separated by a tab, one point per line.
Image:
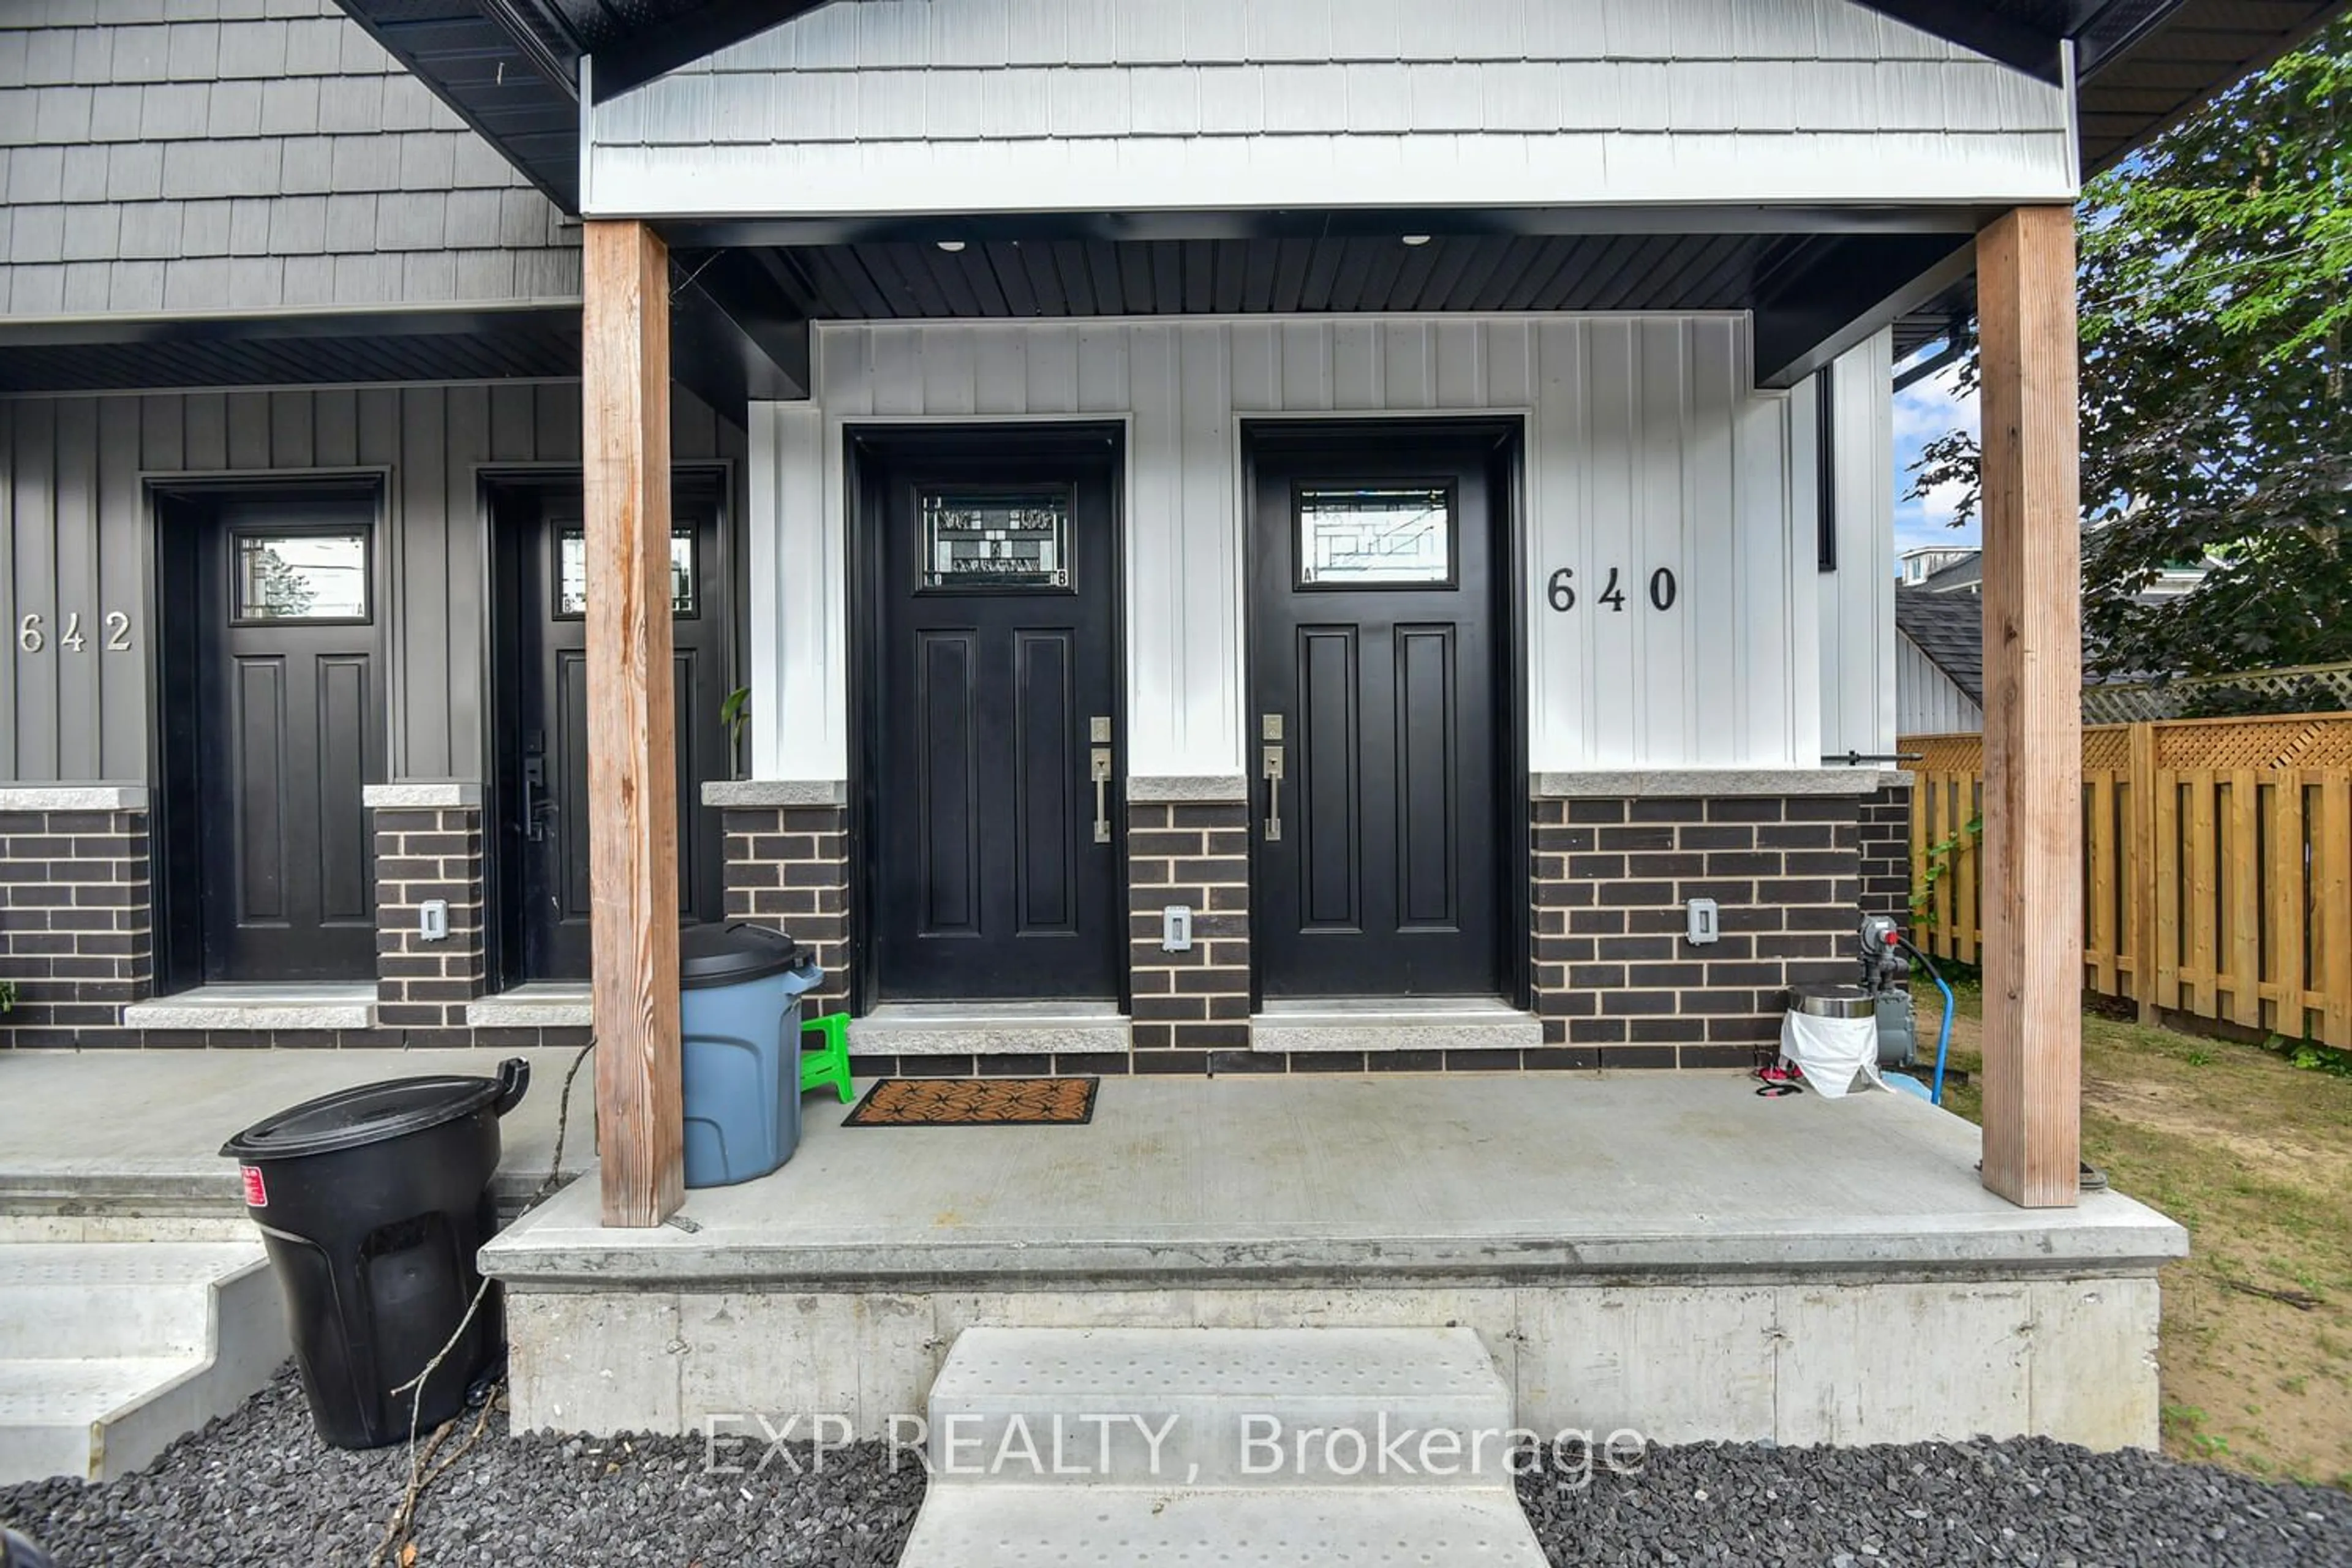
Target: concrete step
1196	1408
113	1299
111	1351
1393	1023
1051	1527
989	1029
54	1414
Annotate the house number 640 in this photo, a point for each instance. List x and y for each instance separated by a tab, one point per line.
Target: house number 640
32	633
1559	592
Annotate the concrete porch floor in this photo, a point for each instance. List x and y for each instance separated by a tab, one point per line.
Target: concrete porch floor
102	1139
1366	1178
1663	1252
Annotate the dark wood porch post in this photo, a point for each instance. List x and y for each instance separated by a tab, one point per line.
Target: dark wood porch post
632	757
2032	906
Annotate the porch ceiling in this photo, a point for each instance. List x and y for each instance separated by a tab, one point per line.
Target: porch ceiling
1802	288
1195	277
116	354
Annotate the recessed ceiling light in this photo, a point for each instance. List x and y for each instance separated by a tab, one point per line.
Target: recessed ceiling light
951	246
1416	239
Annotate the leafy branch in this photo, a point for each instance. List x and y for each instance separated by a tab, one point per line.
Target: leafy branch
1940	856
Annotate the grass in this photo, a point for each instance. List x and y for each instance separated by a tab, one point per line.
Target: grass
2254	1154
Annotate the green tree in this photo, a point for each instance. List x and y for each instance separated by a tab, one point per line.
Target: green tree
2216	287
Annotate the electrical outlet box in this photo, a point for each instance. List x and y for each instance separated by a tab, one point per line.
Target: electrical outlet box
1706	922
1176	929
433	920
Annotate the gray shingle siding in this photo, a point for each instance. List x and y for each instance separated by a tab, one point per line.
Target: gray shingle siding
231	155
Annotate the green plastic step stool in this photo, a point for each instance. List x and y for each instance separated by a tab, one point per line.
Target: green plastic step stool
828	1063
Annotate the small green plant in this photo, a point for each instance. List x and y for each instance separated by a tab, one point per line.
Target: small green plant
734	712
8	995
1939	866
2197	1058
2310	1056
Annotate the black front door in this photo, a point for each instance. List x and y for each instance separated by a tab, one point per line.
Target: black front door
544	760
995	864
1375	626
290	730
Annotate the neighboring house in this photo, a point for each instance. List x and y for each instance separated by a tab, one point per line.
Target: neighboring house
1941	569
1923	562
1939	662
1939	645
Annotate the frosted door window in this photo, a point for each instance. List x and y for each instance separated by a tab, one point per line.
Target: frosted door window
1352	538
571	574
990	541
301	577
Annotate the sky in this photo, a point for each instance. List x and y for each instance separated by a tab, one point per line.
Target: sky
1922	412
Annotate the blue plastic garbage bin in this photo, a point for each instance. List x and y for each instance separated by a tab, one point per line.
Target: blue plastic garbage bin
739	990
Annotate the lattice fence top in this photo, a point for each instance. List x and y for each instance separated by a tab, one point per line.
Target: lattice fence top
2300	742
2182	745
2136	704
2106	748
1944	753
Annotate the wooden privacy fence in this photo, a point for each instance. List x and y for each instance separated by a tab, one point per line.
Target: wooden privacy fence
2217	875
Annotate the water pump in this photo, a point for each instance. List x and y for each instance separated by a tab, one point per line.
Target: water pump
1886	975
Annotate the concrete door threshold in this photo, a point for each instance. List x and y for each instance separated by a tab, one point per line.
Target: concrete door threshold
538	1005
989	1029
290	1006
1393	1023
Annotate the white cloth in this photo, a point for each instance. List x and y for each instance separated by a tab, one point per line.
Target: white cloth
1830	1051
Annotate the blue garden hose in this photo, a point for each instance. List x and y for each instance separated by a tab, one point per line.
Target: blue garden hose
1943	1040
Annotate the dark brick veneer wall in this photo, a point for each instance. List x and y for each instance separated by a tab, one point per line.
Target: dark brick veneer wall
77	935
1188	1004
421	855
1886	853
1612	968
788	867
76	931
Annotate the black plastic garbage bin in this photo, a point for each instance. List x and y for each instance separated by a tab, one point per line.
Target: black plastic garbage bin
16	1551
373	1202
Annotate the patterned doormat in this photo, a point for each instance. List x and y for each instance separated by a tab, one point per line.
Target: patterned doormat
976	1102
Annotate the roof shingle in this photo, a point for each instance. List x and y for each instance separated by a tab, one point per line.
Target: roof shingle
1949	629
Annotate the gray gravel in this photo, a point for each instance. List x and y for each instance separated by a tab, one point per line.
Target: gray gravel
1933	1504
259	1490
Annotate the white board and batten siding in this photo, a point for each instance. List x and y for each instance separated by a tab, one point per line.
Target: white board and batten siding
1646	448
1928	701
972	106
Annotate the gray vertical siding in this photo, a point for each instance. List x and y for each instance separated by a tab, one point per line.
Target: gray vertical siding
75	533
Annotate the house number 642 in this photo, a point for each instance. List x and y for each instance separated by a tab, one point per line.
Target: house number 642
32	633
